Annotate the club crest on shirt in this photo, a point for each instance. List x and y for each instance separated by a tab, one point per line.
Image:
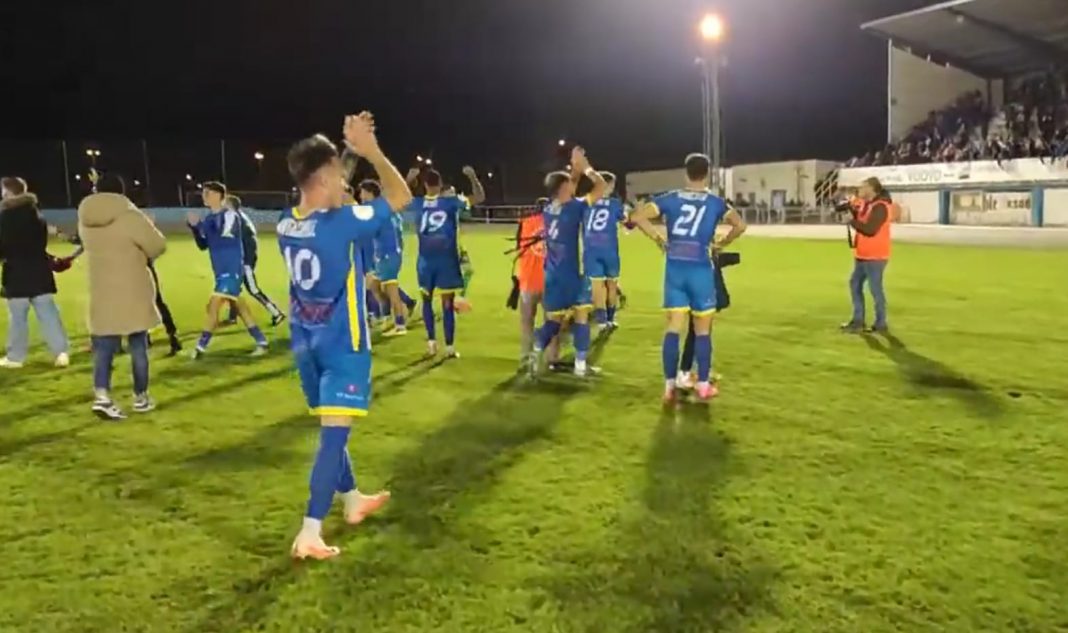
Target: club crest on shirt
363	211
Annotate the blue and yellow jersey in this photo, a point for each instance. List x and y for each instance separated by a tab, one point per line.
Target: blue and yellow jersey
691	218
221	235
437	219
601	226
390	238
563	226
323	254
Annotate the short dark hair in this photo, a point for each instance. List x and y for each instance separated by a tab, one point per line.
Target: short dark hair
216	186
432	178
17	186
233	201
698	166
541	202
554	181
372	187
111	183
876	185
609	177
309	156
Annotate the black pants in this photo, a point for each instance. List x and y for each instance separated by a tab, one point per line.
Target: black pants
161	305
252	286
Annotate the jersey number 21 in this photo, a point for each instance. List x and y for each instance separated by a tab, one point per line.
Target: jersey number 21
686	225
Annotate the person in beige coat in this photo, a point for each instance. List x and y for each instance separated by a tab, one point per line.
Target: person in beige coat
120	241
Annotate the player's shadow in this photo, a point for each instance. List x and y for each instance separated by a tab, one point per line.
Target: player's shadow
435	486
674	567
927	374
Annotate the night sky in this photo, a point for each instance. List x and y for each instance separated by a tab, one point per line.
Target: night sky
493	83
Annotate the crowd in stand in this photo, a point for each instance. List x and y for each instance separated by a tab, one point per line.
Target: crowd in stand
1033	123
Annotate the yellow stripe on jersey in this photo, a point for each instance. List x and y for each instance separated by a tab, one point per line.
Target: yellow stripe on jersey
298	216
353	305
654	207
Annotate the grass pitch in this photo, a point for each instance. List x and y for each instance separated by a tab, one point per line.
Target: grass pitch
839	484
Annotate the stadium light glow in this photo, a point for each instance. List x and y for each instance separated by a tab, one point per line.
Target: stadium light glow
712	28
258	155
429	162
489	174
561	142
137	183
188	176
77	176
419	159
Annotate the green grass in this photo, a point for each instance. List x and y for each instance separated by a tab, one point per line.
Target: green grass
839	484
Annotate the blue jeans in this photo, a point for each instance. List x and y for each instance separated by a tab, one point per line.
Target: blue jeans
104	350
18	332
869	270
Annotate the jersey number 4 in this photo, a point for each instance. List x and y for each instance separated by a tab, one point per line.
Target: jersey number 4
304	267
686	225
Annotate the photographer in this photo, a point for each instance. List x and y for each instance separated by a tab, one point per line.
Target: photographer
870	215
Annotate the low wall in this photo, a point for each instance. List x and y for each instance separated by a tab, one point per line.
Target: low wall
928	234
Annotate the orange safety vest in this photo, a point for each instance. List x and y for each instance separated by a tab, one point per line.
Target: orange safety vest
876	247
531	269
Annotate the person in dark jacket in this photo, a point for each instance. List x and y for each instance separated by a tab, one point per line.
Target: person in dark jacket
27	280
250	248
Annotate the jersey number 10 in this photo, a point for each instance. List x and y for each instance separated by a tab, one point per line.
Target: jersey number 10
304	261
686	225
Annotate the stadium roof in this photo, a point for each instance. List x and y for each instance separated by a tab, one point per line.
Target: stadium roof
991	38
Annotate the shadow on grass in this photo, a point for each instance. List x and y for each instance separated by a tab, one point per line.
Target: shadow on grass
674	568
928	374
435	486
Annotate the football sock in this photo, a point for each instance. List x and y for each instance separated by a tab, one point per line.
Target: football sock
205	339
448	322
581	333
687	352
346	481
671	355
610	314
600	315
257	335
428	318
546	333
408	301
326	471
703	351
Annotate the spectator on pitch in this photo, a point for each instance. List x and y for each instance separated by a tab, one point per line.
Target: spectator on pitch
27	279
120	244
871	219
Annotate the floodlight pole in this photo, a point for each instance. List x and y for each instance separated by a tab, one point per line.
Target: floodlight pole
711	112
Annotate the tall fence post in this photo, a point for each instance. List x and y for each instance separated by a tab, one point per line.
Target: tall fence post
66	173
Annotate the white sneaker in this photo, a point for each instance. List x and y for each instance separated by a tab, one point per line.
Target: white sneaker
431	348
450	352
581	369
7	363
143	403
261	350
685	381
106	410
63	360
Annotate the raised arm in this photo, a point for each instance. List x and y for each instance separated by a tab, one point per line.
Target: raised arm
193	221
478	193
360	136
581	165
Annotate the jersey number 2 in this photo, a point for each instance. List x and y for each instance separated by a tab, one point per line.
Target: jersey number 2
686	225
304	267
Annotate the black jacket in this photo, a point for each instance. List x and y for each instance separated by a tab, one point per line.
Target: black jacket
23	242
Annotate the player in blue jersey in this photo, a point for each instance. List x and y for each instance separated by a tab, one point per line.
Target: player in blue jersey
220	234
388	257
321	241
600	242
567	289
250	246
690	216
437	219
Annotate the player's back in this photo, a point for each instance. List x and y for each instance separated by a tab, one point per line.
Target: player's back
437	219
563	225
390	238
323	255
690	219
601	225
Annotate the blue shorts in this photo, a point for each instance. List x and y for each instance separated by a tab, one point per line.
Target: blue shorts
229	284
566	292
690	287
601	266
440	274
387	269
367	252
334	382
